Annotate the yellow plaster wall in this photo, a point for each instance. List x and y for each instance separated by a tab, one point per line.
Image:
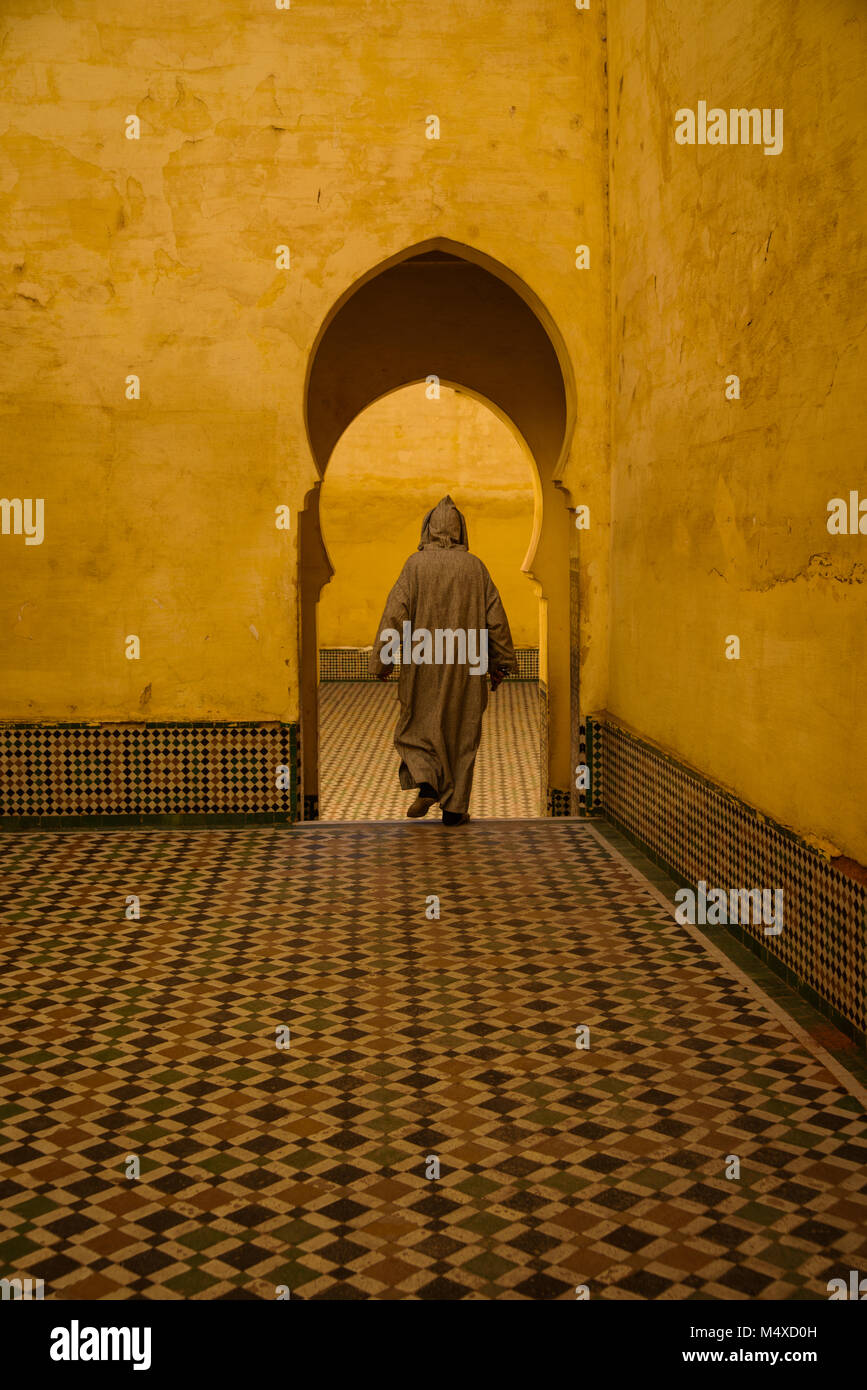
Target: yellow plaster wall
726	260
259	127
396	460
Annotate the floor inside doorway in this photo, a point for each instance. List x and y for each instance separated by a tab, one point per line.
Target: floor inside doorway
358	763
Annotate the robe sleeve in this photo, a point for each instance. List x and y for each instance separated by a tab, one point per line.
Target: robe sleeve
395	614
501	652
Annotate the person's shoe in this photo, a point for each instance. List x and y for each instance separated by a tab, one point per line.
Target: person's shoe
455	817
425	798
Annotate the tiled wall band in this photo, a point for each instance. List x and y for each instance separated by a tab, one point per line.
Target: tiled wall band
704	834
82	770
351	664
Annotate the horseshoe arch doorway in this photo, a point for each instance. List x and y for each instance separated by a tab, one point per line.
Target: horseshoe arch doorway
441	309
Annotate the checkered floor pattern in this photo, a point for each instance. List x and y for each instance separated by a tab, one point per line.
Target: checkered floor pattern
410	1036
358	771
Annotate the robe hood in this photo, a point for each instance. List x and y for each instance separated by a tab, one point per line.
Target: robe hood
444	526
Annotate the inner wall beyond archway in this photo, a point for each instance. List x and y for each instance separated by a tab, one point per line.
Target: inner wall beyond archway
445	311
392	464
396	459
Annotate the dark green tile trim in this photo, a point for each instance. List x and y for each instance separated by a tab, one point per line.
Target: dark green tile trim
144	724
214	821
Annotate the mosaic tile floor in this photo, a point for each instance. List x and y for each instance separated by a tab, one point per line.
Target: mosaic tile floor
358	772
409	1038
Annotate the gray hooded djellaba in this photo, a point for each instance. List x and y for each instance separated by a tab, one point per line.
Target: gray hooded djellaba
441	704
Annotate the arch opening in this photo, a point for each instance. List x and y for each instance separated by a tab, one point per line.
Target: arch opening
392	463
438	312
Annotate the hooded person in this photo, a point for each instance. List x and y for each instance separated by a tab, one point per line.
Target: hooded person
445	621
